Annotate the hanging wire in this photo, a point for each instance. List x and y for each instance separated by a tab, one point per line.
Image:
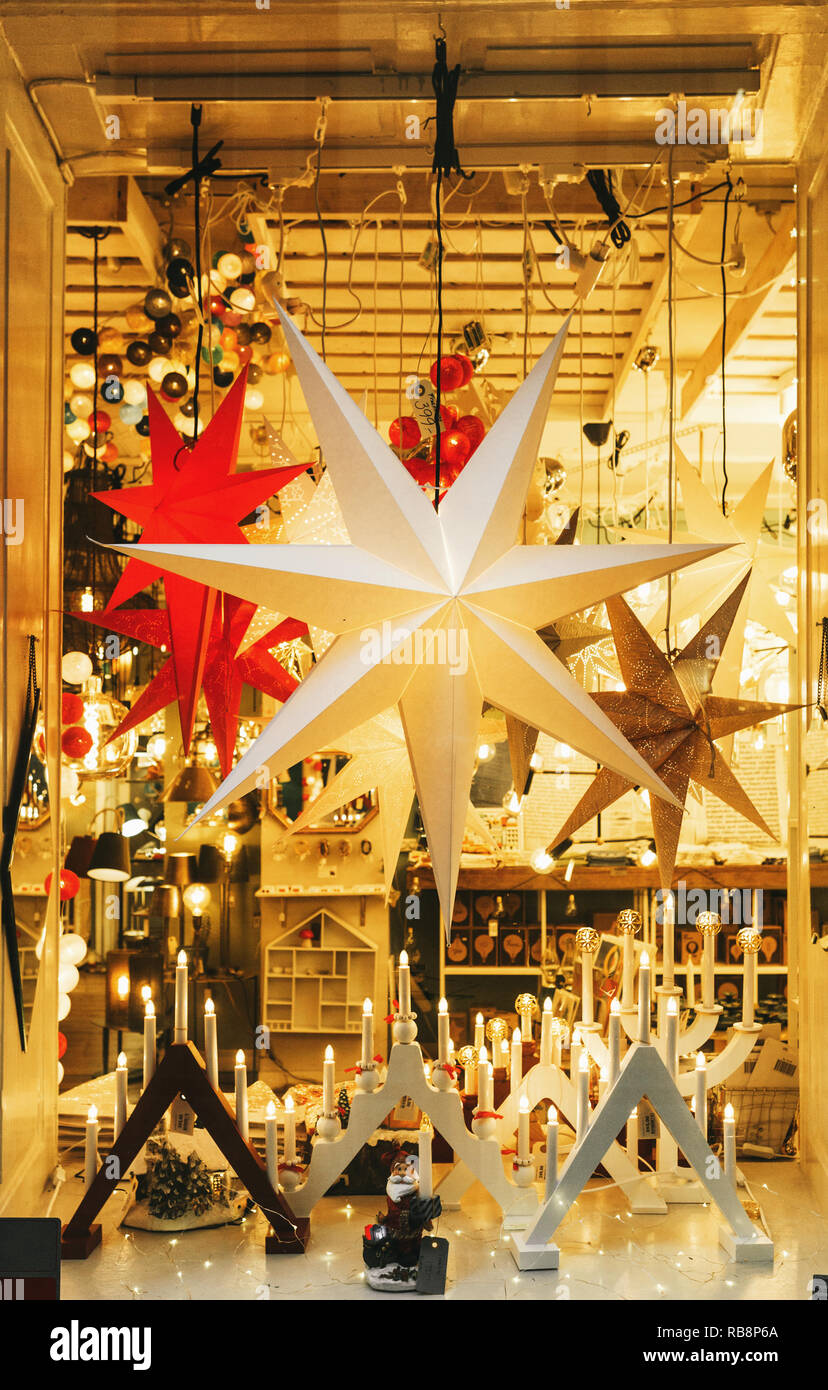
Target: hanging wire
672	386
724	345
319	137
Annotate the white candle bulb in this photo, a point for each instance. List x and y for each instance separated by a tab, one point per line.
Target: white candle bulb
272	1146
614	1041
181	984
211	1043
671	1037
424	1154
551	1150
701	1092
523	1130
290	1130
328	1070
91	1146
120	1094
149	1042
485	1091
479	1032
730	1143
557	1042
668	926
442	1033
516	1066
644	999
404	985
574	1054
240	1077
367	1034
603	1082
632	1138
582	1097
690	983
546	1033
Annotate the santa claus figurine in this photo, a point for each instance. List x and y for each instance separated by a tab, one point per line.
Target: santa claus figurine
391	1248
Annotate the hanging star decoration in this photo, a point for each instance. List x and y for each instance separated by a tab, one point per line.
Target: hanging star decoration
696	594
673	720
224	671
195	494
378	760
432	611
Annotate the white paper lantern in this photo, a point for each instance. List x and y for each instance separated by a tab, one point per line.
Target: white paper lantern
68	461
76	668
158	368
243	299
253	399
68	978
81	405
71	948
135	392
78	430
229	265
82	375
64	1006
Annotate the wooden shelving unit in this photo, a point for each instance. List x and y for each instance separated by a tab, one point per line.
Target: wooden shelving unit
317	988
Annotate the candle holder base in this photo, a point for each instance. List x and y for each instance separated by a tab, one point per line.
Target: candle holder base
530	1257
328	1127
289	1180
78	1247
523	1172
276	1246
367	1078
441	1077
484	1129
404	1028
756	1249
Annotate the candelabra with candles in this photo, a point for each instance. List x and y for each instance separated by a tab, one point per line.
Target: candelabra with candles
181	1071
437	1095
672	1181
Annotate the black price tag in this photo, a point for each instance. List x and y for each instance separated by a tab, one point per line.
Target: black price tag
432	1265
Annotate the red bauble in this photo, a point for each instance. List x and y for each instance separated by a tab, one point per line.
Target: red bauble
109	453
455	448
451	373
99	421
404	432
71	707
244	352
421	470
216	306
62	1045
76	741
474	430
467	365
448	415
69	884
228	340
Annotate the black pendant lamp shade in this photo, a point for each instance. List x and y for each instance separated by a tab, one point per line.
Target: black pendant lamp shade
180	869
210	866
110	859
80	855
191	784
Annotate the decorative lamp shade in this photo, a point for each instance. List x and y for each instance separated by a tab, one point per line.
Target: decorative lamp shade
131	823
210	865
165	901
110	859
80	855
106	756
239	871
180	869
244	814
191	784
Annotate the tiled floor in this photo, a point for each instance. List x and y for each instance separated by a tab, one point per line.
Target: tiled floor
605	1252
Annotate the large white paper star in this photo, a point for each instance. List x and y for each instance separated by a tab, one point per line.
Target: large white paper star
433	612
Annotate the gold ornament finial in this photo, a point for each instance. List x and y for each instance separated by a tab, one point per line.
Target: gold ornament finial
496	1029
750	940
628	921
587	939
709	923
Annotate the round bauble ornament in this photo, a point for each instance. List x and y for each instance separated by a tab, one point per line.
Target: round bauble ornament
404	432
68	883
75	668
62	1045
451	373
244	334
157	303
455	448
80	405
216	306
108	753
100	421
467	365
229	265
112	391
253	399
135	392
71	707
78	431
82	375
76	741
228	339
243	299
174	386
448	416
137	320
160	343
130	414
143	426
71	947
276	363
212	355
474	430
175	249
158	368
180	276
84	341
244	352
222	378
254	373
261	332
139	352
110	340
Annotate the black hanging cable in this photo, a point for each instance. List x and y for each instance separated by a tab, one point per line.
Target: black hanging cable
600	181
822	677
446	161
204	167
724	343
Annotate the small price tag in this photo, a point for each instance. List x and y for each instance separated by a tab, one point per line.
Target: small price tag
423	399
493	925
432	1265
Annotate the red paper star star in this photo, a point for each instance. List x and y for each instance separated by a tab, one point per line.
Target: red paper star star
224	672
195	495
